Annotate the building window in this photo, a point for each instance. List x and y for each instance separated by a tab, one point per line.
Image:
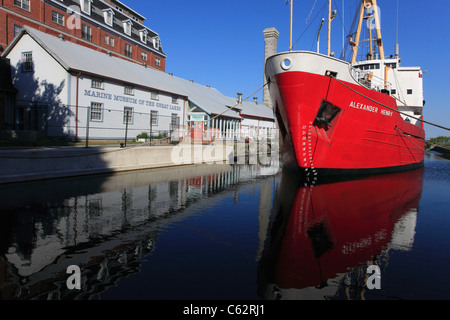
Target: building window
128	115
27	62
96	111
144	56
143	33
156	43
409	91
127	27
129	90
17	30
174	121
128	50
24	4
174	100
97	84
393	91
86	32
155	96
86	6
108	14
109	41
154	118
58	18
157	62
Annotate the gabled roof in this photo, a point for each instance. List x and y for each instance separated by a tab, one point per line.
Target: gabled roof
253	110
75	58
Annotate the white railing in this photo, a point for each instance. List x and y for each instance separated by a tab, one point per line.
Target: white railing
367	79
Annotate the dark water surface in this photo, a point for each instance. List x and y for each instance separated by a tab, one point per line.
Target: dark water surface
228	232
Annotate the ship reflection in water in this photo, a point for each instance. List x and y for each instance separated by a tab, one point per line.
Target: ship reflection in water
324	236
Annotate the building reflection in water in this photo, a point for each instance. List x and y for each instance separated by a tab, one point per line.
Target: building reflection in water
105	224
323	237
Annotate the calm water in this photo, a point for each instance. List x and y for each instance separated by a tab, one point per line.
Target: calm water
228	232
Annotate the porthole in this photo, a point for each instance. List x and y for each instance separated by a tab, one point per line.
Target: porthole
286	64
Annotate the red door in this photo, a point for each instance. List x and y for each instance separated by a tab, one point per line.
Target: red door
197	131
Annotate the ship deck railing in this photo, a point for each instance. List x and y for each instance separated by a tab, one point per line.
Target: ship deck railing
370	81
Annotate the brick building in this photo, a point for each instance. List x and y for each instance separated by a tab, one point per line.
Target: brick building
107	26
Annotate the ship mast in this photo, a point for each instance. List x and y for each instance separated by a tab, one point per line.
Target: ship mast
367	4
331	16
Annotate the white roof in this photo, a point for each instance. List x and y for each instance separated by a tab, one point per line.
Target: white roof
77	58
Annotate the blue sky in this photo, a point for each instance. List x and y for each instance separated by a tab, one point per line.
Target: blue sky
221	43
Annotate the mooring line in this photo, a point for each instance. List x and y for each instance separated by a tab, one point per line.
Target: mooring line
240	102
398	111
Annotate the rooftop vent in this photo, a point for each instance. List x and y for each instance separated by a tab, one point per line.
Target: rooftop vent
239	97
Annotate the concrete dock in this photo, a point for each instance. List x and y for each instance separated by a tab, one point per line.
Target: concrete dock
19	165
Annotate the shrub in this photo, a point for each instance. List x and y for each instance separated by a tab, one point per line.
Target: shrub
142	135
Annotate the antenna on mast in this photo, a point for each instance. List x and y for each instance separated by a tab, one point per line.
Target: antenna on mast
396	38
290	33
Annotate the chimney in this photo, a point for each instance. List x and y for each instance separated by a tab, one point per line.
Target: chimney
270	48
255	100
239	97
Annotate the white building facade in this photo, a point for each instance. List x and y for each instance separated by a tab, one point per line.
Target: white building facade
57	101
67	90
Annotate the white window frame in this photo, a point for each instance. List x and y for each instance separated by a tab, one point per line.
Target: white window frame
176	117
128	53
57	18
129	90
17	30
156	43
108	14
127	26
96	111
130	116
86	32
174	99
144	55
27	61
154	95
95	82
22	4
154	120
144	35
84	8
109	41
157	62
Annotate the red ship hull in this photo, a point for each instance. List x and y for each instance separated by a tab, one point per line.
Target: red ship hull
321	232
335	126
